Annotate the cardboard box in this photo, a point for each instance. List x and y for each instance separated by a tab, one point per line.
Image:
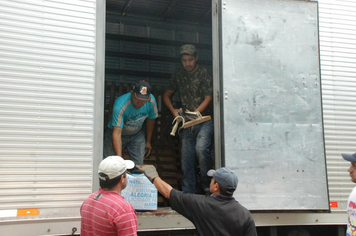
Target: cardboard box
140	192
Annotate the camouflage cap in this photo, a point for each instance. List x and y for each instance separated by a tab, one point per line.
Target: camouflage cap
188	49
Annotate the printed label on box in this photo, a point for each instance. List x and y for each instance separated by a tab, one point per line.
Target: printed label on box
140	192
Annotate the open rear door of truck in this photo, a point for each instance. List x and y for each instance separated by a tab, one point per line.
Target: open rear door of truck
269	124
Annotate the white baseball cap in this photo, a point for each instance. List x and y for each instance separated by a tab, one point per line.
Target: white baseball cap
113	166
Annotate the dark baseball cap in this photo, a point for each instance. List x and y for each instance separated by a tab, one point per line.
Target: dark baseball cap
226	179
142	90
349	157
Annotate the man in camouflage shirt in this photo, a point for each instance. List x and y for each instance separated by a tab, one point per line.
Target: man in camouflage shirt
195	87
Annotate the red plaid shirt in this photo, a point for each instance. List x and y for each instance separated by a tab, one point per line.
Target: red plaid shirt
107	213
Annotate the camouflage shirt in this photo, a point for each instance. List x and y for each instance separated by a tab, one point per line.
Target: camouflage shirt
193	87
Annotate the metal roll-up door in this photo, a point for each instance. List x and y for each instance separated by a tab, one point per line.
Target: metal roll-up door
338	76
51	73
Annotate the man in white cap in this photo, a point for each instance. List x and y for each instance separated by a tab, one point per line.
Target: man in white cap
105	212
351	203
217	214
195	87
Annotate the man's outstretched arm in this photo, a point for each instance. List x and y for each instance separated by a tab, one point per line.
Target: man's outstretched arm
151	173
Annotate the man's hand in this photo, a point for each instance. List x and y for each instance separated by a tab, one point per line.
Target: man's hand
148	149
149	170
175	112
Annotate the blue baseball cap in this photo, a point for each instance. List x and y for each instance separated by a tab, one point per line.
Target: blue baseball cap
348	157
226	179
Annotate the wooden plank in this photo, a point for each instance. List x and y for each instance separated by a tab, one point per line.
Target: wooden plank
195	122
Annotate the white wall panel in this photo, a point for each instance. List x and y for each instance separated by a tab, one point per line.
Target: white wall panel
337	25
48	74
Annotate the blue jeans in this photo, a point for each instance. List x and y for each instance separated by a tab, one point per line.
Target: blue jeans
135	145
196	150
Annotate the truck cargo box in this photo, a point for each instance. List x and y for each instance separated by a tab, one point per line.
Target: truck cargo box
283	104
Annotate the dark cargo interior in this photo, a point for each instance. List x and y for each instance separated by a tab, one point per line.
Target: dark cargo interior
143	38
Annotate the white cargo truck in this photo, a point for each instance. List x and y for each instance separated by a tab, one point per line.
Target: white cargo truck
284	85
